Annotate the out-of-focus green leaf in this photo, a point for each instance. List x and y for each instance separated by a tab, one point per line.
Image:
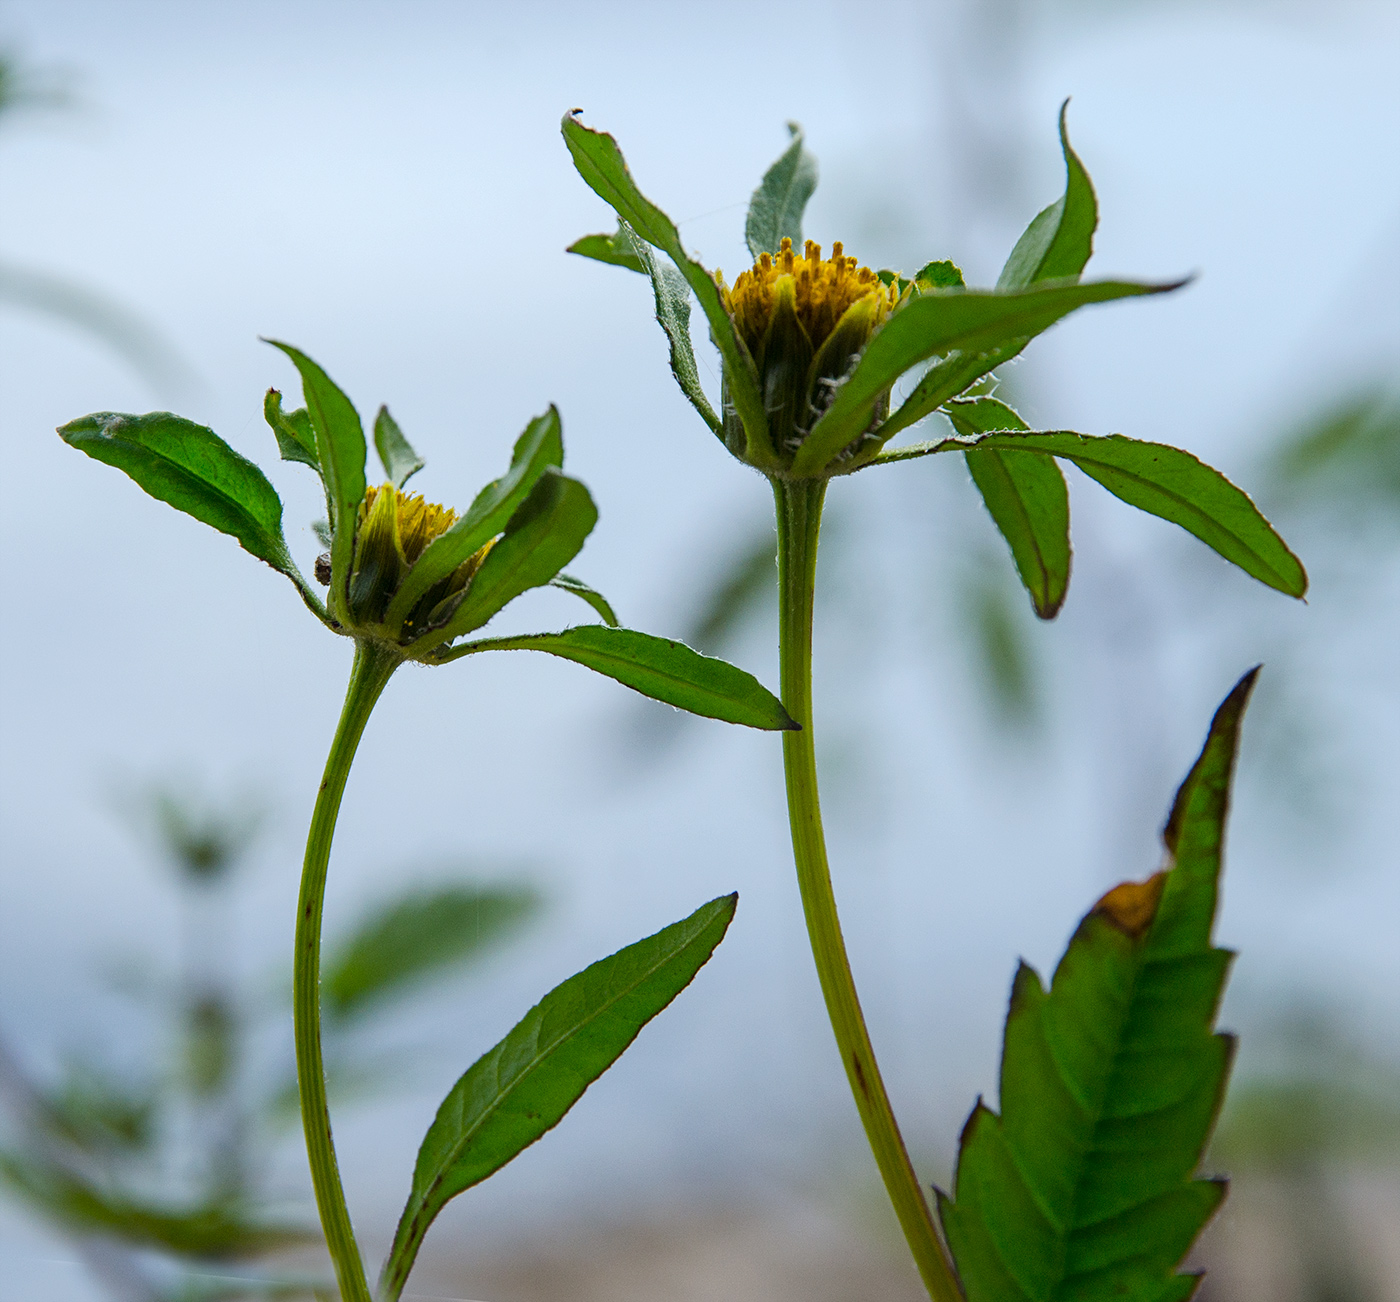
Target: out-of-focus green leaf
414	937
776	207
296	440
1058	243
1111	1081
396	454
616	250
1163	481
1346	460
195	471
524	1086
207	1286
1026	496
97	1112
656	667
546	532
602	166
340	449
672	298
213	1232
749	578
972	321
997	643
581	590
538	449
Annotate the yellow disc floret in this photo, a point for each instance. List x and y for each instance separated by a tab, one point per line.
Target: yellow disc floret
418	521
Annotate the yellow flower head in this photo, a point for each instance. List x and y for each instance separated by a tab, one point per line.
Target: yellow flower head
804	321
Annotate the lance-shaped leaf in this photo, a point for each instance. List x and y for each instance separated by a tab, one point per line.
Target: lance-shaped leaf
776	207
1161	480
194	470
1058	243
973	321
396	454
546	532
583	592
524	1086
538	449
1082	1188
296	440
656	667
602	166
1026	496
340	449
616	250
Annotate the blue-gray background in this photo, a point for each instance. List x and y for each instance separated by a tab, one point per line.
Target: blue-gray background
385	186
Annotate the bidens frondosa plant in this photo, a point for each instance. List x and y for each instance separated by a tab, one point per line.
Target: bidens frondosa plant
812	350
408	580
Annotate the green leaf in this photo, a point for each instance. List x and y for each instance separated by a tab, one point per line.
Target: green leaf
656	667
296	440
194	470
211	1231
415	936
546	532
538	449
1058	243
1082	1187
594	598
602	166
939	275
971	321
523	1087
775	208
340	448
396	454
672	297
616	250
1026	496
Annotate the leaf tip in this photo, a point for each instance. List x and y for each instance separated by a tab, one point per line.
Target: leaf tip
1131	907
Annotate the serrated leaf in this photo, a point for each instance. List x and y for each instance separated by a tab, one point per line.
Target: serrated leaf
594	598
971	321
1026	496
1082	1188
211	1231
340	449
776	207
656	667
616	250
296	440
524	1086
602	166
415	936
546	532
194	470
396	454
539	448
1060	240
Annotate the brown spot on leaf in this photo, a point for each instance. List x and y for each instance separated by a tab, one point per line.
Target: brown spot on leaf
1131	906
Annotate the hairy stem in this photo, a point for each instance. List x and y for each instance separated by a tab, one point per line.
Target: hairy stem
371	670
799	507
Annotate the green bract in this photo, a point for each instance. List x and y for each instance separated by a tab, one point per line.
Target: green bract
811	350
404	576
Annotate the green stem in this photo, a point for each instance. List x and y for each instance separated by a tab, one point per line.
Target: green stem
371	670
799	507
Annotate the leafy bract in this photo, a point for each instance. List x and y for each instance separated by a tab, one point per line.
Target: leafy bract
1060	240
538	449
414	936
656	667
1025	494
775	208
546	532
616	250
396	454
194	470
340	450
1161	480
1082	1188
567	583
602	166
524	1086
296	440
972	321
